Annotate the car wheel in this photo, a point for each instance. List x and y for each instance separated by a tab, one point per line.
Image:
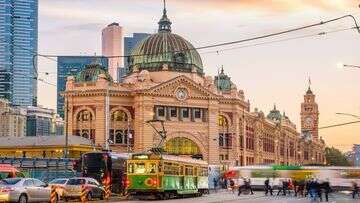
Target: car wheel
23	199
66	199
89	196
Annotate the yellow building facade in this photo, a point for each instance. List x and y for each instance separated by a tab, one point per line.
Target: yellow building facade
207	117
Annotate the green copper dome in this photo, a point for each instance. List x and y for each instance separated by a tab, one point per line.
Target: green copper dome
222	81
165	47
274	115
91	73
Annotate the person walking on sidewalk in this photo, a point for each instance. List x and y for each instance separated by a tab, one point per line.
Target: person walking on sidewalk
268	187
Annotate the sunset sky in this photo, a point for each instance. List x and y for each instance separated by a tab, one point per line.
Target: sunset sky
269	73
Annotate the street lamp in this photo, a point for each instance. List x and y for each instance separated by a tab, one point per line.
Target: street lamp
348	114
341	65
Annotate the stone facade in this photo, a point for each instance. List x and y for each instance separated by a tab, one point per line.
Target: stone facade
206	117
219	123
12	120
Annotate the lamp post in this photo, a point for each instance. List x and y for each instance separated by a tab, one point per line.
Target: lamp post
341	65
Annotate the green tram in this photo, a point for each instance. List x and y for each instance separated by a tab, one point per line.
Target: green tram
166	176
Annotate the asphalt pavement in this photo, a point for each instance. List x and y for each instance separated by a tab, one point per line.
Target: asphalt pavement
258	197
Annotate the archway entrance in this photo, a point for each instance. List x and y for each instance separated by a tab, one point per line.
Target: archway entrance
182	146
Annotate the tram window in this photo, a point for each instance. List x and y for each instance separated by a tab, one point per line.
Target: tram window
136	167
152	168
195	171
189	171
171	169
203	172
181	172
130	168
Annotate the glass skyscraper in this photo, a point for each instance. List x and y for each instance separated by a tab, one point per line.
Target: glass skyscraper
18	43
71	65
130	43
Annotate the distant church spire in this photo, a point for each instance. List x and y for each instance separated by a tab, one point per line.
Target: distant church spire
164	23
309	87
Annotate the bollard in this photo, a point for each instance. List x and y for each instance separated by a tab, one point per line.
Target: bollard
107	188
53	194
107	191
83	194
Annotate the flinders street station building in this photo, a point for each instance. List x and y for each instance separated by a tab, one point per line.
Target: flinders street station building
204	116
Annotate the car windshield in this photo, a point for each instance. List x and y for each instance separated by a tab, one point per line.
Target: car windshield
9	181
76	181
58	181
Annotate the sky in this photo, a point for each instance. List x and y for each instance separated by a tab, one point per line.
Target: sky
270	73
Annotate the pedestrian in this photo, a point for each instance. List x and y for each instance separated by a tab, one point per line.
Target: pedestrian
215	184
326	188
307	187
290	186
280	186
301	188
355	189
296	187
232	185
318	186
248	186
241	186
266	186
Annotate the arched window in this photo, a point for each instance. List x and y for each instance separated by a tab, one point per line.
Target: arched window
182	146
222	121
119	115
84	116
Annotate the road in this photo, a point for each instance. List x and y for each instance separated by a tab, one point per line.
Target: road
258	197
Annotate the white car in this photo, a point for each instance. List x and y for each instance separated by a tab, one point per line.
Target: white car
59	183
24	190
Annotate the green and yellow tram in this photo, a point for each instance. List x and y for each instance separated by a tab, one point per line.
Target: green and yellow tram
166	176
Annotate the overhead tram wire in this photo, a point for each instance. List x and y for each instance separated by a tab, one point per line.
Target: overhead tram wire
51	57
235	42
280	40
337	125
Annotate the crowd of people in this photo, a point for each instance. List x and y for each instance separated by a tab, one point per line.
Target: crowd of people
311	188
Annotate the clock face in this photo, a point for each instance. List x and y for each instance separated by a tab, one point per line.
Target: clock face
308	121
181	94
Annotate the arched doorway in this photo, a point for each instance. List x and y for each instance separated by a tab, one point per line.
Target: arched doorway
182	146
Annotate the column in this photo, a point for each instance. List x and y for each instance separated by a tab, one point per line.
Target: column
213	132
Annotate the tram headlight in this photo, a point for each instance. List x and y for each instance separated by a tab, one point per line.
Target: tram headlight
127	183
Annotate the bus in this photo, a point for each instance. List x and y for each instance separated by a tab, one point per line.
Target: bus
100	165
340	178
166	176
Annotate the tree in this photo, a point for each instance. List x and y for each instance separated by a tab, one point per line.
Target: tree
335	157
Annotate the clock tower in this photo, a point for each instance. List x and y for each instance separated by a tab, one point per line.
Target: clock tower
310	116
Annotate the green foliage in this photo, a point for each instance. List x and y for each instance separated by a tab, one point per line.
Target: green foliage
335	157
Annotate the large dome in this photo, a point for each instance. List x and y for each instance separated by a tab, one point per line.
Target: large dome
165	47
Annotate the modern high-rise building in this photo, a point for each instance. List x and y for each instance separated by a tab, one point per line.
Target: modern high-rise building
112	45
43	122
130	42
18	43
71	65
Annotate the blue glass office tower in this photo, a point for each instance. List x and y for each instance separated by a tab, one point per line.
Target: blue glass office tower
71	65
18	43
130	43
